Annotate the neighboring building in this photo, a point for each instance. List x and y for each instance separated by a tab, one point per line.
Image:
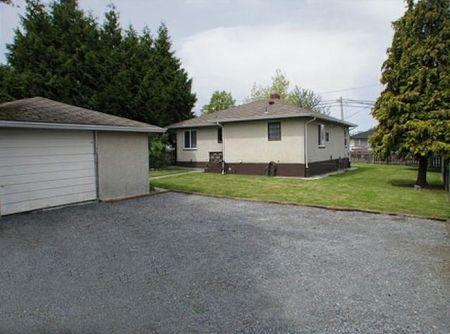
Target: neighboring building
359	142
53	154
244	139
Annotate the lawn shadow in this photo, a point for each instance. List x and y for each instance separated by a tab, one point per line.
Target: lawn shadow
357	170
407	183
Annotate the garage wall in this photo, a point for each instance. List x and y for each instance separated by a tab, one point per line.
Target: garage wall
122	164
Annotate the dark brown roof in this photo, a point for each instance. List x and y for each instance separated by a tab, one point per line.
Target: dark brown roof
257	110
39	110
363	135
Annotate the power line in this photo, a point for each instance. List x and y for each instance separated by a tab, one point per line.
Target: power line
346	89
357	112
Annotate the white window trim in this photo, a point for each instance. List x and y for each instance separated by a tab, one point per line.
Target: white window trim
322	136
190	140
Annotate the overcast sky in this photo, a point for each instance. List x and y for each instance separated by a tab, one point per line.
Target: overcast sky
322	45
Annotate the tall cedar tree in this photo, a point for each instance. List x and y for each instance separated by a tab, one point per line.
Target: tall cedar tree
413	111
166	88
56	53
63	54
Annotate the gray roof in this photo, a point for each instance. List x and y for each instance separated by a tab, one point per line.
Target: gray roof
363	135
257	110
39	112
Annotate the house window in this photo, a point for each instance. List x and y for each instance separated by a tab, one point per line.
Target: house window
219	135
190	139
327	136
274	131
321	132
345	137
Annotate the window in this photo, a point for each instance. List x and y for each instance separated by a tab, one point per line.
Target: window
345	137
190	139
321	131
219	135
327	136
274	131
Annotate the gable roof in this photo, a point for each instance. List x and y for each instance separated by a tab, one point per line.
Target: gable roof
363	135
39	112
257	110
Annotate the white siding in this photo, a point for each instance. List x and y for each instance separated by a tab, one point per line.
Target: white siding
247	142
333	149
206	142
44	168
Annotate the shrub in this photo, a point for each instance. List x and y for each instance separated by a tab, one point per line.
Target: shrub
158	156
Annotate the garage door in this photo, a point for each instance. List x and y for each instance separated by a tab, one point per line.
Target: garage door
45	168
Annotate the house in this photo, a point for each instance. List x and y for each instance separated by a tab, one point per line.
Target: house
360	146
360	140
244	139
53	154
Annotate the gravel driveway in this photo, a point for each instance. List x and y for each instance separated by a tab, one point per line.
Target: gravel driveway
176	263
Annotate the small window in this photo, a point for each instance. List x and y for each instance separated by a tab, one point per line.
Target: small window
274	131
219	135
321	132
327	136
190	139
345	137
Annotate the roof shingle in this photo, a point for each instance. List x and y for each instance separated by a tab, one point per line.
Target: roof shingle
42	110
257	110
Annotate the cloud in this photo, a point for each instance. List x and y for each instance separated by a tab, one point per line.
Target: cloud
324	47
234	58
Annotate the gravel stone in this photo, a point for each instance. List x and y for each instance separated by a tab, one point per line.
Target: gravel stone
177	263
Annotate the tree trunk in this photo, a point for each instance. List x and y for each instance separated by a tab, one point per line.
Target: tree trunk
422	173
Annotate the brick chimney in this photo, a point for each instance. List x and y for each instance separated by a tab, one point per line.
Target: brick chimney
274	97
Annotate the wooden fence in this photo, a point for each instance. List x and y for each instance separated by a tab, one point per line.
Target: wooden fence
433	163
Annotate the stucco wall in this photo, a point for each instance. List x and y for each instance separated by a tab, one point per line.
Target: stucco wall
122	164
333	149
248	142
206	142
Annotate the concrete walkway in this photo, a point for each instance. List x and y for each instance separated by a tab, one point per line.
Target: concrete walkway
199	170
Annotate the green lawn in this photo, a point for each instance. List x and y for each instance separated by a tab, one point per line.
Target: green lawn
371	187
169	171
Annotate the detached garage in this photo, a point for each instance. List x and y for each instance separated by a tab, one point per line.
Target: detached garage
53	154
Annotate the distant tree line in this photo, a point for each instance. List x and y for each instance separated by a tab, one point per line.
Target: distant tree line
62	53
299	96
304	98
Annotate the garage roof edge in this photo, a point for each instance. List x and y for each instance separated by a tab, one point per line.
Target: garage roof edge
67	126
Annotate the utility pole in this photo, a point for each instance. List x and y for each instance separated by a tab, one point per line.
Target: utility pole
341	102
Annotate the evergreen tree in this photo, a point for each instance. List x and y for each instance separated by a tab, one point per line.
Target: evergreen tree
413	111
166	89
219	101
64	54
56	52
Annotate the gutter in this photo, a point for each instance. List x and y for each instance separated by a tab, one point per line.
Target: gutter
67	126
305	141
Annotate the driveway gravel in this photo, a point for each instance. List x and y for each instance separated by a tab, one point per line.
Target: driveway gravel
177	263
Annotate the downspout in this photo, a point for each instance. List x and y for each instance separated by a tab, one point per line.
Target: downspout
223	147
305	141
